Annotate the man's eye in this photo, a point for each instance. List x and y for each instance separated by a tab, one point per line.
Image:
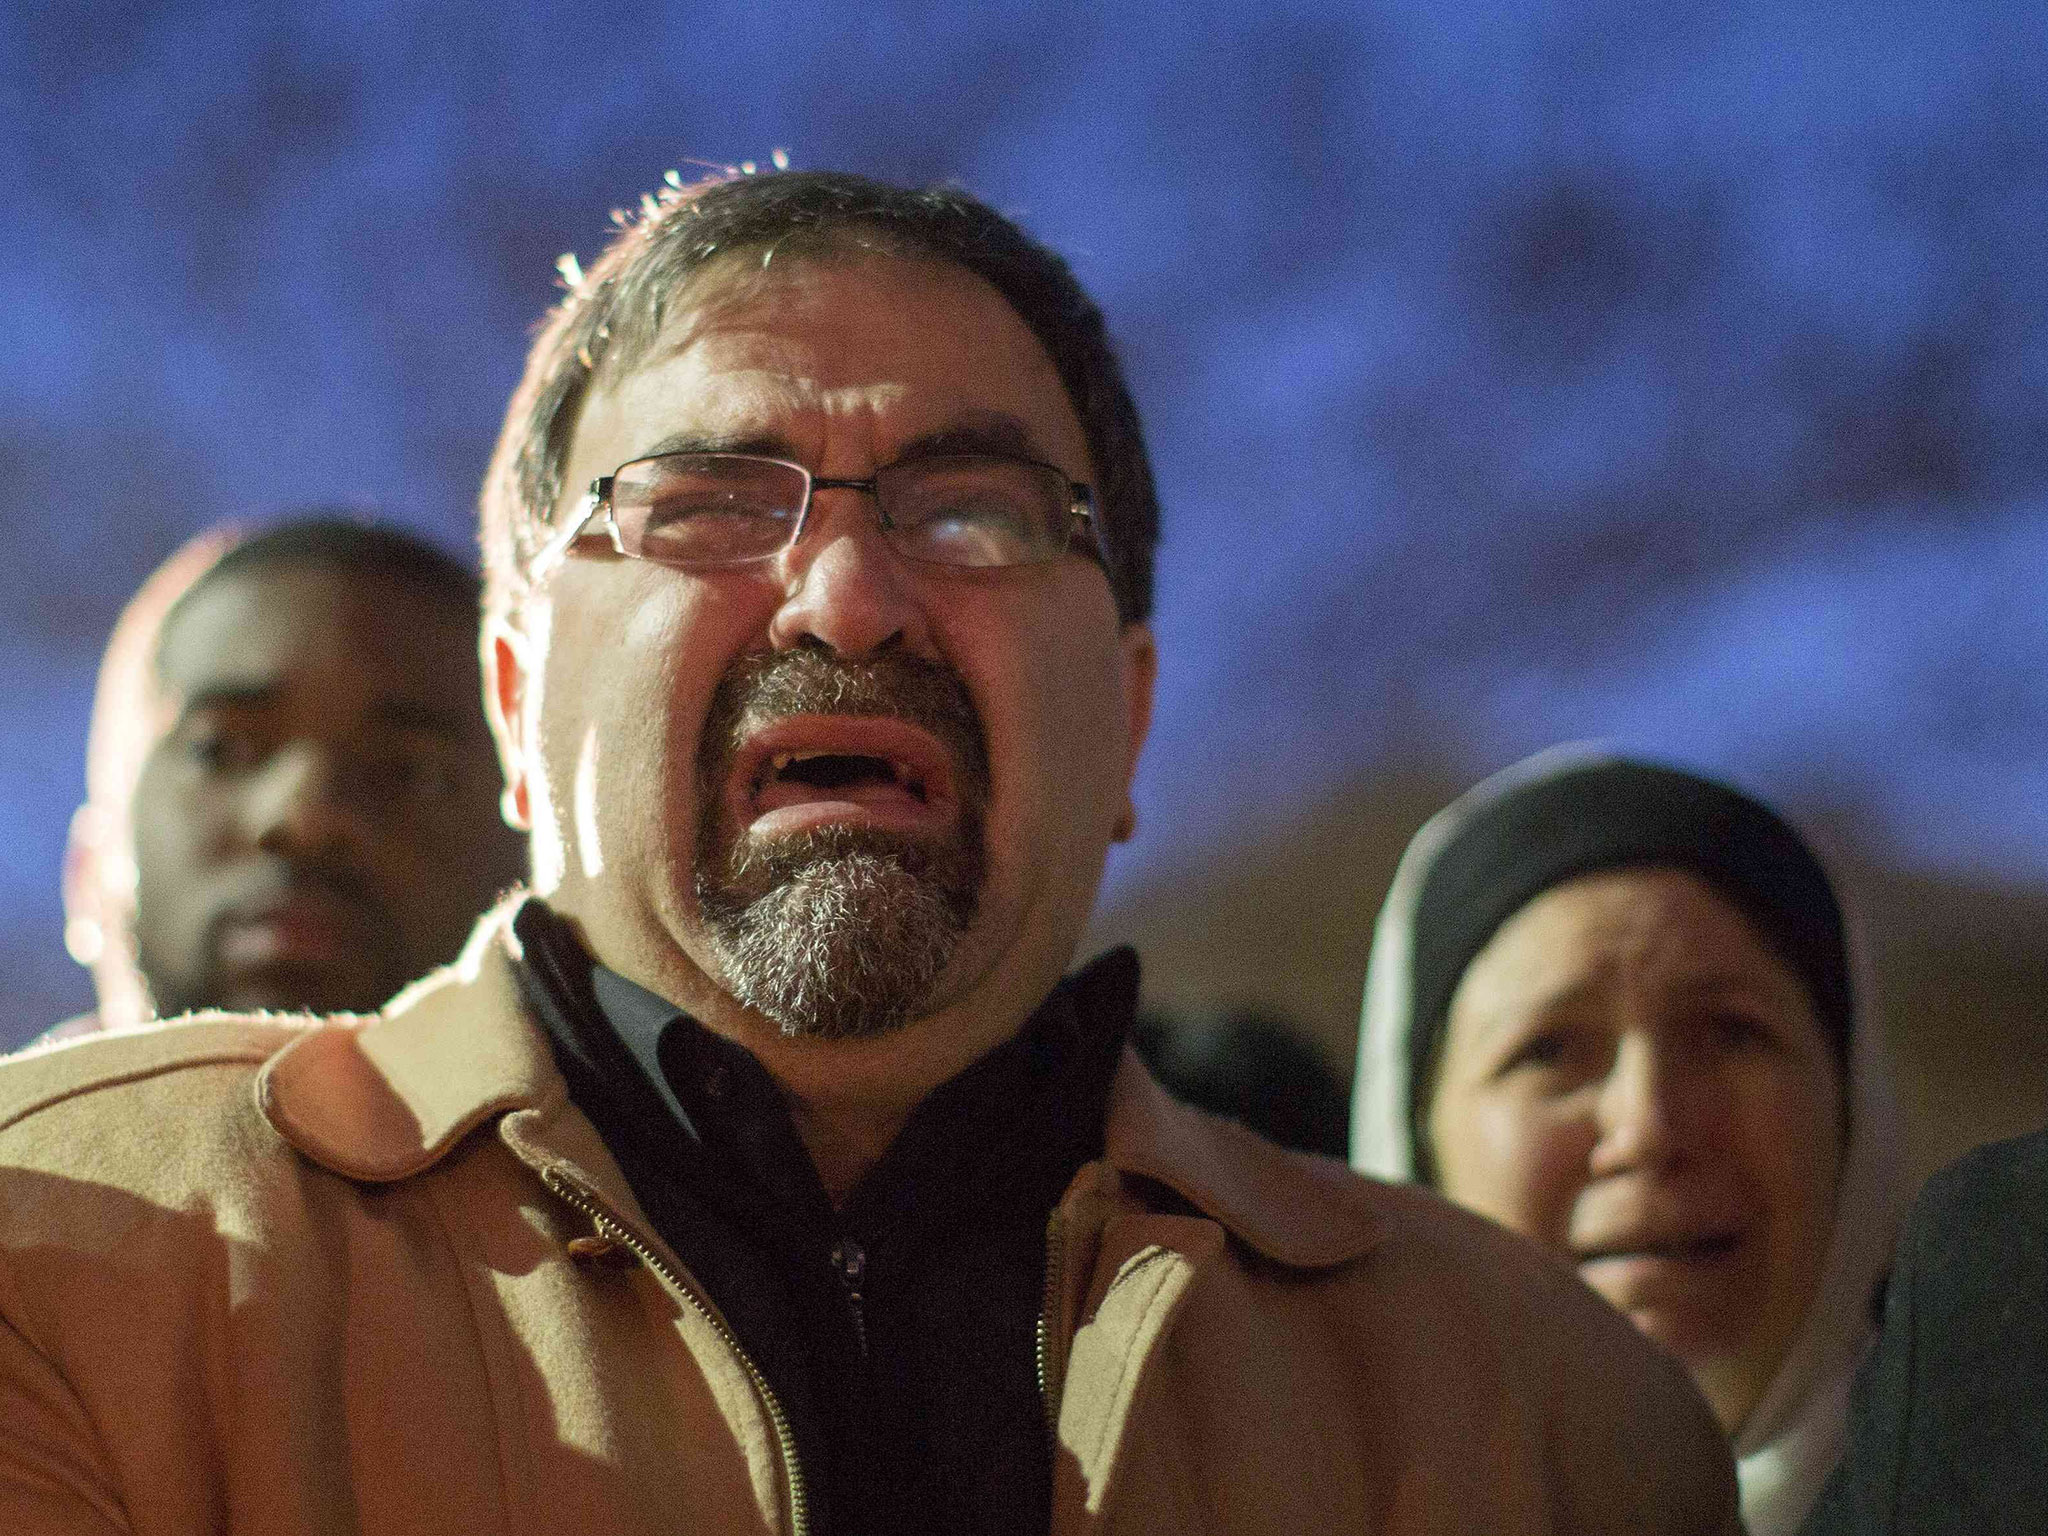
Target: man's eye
225	751
704	506
1541	1050
983	509
969	526
969	539
1737	1031
960	501
711	528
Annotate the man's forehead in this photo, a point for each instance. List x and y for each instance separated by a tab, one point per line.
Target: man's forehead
812	297
745	393
264	622
923	344
784	275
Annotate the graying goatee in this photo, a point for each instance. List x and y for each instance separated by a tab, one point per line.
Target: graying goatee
839	932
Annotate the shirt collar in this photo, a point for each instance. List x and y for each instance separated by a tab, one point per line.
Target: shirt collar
578	997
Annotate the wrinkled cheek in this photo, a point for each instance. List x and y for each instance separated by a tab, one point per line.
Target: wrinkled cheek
1063	762
619	743
1802	1231
1499	1161
655	622
1795	1140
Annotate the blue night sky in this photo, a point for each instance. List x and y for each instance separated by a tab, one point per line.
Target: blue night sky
1670	373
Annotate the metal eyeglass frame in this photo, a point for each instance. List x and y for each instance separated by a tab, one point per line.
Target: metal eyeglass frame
597	502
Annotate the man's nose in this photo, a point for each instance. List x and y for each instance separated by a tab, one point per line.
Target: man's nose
308	802
843	586
1650	1106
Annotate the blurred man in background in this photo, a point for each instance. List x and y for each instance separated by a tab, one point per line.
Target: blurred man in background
292	797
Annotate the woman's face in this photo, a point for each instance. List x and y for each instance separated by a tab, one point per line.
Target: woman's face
1632	1078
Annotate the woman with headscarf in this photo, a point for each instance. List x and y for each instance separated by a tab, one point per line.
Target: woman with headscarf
1610	1006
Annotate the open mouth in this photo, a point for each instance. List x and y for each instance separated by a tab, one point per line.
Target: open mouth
808	770
796	776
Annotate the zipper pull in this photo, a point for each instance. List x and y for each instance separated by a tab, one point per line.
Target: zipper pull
599	1248
600	1252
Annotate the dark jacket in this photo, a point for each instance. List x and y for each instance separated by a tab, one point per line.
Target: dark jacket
1948	1430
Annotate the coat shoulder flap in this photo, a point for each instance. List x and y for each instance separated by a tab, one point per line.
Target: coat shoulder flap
46	1076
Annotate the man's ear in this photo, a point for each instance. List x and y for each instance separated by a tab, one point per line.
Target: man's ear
86	917
99	926
1141	674
508	657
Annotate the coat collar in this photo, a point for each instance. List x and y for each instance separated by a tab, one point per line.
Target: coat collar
381	1098
1303	1211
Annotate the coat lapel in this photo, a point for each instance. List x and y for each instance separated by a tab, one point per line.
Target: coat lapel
383	1097
1299	1210
1138	1232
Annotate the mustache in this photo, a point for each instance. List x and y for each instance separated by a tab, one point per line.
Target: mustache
767	686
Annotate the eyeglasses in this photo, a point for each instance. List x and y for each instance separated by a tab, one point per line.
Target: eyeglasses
708	510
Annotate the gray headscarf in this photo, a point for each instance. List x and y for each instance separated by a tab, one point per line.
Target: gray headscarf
1793	1436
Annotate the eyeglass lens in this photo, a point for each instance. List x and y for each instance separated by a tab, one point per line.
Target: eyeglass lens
724	509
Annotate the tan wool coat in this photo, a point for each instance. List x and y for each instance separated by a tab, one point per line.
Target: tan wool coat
280	1276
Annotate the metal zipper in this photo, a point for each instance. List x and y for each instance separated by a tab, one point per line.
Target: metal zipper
850	1262
611	1227
1049	1383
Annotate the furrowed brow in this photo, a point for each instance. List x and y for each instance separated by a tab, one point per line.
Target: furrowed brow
975	432
989	432
1720	983
764	445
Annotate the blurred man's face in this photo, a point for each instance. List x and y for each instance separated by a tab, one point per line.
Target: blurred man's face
319	823
838	787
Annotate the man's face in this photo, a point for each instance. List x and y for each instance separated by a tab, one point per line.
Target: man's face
318	824
835	789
